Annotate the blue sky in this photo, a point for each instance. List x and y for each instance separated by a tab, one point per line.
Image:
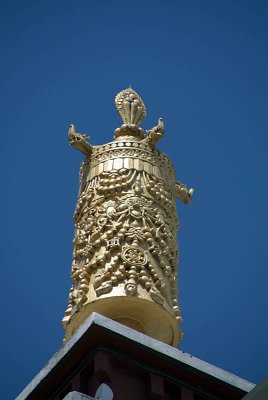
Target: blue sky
202	66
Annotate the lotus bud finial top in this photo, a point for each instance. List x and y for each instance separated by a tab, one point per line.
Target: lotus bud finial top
132	112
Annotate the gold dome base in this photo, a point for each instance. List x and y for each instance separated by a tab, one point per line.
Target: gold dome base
139	314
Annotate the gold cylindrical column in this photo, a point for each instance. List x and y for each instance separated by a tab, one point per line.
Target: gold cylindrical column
125	246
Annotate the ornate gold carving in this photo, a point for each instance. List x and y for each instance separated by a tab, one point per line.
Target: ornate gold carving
155	134
133	256
79	141
126	223
132	111
183	193
130	107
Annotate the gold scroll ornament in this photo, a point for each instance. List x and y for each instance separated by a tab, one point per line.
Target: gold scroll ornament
125	247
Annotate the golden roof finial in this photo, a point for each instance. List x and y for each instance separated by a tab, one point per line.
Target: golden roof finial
125	246
132	112
130	107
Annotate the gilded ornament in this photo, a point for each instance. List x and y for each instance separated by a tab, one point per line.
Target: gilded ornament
133	256
125	247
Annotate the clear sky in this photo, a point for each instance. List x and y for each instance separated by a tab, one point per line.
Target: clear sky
202	66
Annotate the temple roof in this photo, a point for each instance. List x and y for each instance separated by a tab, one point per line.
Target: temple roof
99	333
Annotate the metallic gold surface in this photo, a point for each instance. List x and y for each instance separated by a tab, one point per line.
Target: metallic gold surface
125	247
